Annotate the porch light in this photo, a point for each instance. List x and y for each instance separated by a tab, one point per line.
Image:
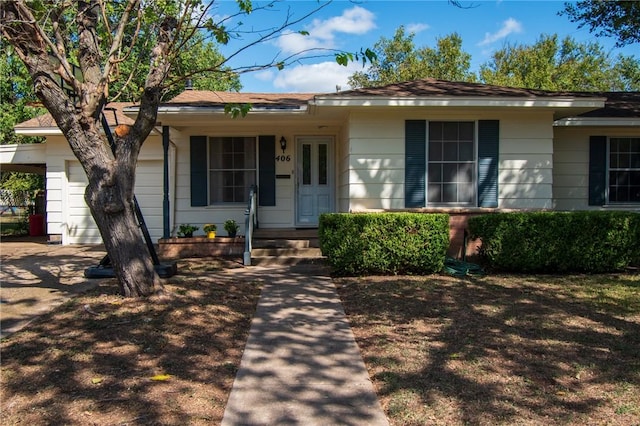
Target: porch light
283	144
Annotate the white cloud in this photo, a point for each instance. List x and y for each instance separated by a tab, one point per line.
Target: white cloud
316	78
356	20
322	33
417	28
509	26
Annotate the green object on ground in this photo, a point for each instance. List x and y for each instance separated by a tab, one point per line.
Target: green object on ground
460	268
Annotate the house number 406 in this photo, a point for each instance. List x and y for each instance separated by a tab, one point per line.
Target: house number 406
283	157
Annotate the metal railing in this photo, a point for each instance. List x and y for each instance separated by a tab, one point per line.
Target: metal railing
250	222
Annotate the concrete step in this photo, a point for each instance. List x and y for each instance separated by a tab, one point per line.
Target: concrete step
299	261
286	243
286	247
312	252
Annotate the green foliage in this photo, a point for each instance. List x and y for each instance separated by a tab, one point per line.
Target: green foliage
231	226
17	181
552	242
384	243
568	65
237	110
16	97
187	230
619	19
398	60
548	64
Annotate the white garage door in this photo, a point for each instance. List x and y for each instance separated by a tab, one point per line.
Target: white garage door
81	226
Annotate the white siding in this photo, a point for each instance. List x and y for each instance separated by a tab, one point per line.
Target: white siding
376	156
279	216
81	228
65	183
571	164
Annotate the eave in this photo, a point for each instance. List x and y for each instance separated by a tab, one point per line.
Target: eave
598	122
456	101
37	131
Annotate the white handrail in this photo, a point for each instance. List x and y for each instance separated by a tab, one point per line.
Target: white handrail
250	222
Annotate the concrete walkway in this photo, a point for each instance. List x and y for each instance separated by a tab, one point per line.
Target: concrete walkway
35	277
301	364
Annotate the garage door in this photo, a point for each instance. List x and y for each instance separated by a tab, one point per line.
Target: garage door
81	226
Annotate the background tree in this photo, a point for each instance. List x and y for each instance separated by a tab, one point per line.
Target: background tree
568	65
618	19
398	60
51	36
16	96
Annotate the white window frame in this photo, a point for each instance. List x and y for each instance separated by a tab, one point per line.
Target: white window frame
211	170
614	169
474	173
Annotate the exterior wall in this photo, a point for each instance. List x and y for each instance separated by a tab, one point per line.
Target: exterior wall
342	172
282	215
376	160
64	193
376	156
571	165
526	160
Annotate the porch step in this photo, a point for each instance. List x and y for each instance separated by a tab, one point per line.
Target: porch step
286	247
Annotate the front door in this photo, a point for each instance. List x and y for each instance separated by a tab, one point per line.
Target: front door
314	179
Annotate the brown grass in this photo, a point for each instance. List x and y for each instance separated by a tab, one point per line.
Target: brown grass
96	360
500	350
440	350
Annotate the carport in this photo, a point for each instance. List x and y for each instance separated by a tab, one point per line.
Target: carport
27	158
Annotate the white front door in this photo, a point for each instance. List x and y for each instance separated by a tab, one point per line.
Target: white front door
314	179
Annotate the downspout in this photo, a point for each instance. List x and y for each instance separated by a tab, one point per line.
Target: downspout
166	227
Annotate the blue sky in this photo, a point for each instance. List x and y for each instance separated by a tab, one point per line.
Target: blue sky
484	26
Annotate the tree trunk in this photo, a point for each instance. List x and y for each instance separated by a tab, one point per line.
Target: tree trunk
111	175
114	213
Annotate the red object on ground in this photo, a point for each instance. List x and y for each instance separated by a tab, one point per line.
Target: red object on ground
36	225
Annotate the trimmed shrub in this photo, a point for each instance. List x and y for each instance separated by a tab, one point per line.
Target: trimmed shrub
384	243
551	242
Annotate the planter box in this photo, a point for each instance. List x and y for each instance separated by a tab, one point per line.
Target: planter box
175	248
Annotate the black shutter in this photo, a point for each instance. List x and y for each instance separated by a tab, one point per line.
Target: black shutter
198	148
488	157
415	146
597	170
267	175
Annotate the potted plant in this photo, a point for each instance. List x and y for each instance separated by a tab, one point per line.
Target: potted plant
186	230
210	230
231	227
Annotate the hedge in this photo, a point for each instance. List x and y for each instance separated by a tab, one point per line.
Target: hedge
552	242
384	243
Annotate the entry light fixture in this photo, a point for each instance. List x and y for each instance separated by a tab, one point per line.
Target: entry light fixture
283	144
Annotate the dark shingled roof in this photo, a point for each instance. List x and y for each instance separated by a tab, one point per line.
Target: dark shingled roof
618	104
113	112
431	87
207	98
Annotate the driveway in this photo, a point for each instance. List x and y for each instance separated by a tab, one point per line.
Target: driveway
36	276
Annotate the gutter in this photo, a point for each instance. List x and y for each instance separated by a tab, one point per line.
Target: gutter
598	121
480	101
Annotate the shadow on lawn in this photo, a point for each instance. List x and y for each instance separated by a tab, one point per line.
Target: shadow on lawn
505	349
92	361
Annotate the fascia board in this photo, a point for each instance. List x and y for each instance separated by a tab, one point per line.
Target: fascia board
37	131
509	102
194	110
598	121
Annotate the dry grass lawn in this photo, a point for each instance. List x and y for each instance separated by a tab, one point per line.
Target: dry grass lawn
440	350
512	350
105	360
